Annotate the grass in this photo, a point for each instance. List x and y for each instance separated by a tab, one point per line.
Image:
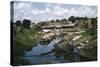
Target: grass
89	50
23	41
89	35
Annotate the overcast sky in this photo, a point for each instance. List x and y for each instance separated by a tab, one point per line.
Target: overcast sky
38	11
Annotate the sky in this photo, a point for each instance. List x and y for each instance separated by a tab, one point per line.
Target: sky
39	11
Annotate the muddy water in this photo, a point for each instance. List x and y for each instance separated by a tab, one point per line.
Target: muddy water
49	53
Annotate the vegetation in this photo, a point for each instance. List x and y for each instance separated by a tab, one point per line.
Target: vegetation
26	37
72	18
90	35
18	23
26	23
24	40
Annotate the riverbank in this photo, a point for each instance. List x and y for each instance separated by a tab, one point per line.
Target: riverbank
24	41
86	42
29	38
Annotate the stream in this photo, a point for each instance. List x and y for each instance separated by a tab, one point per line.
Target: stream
49	53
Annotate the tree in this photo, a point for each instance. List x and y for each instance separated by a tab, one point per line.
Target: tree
57	20
77	18
52	21
38	28
86	18
72	18
64	20
26	23
18	23
42	23
94	22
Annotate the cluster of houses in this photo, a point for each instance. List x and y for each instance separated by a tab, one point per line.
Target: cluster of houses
57	28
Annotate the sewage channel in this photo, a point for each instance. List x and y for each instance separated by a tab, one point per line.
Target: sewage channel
49	53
